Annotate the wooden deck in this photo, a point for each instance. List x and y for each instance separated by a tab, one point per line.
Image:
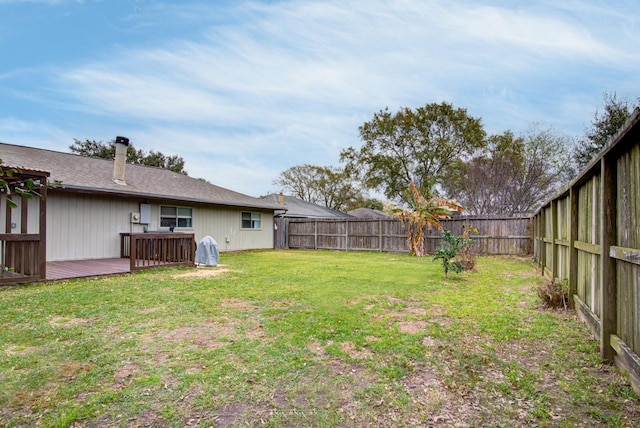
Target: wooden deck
85	268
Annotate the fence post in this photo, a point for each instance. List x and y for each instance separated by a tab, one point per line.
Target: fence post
554	236
346	237
542	244
286	233
573	251
315	236
608	316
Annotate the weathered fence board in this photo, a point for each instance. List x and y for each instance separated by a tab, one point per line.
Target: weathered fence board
593	241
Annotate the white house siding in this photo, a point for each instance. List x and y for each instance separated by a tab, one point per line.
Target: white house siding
82	226
33	219
223	224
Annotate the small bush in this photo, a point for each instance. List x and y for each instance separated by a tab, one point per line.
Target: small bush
448	253
554	294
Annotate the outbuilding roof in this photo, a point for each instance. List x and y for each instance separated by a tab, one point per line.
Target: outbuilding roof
298	208
93	175
369	213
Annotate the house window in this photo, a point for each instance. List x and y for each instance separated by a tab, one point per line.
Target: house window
251	220
176	217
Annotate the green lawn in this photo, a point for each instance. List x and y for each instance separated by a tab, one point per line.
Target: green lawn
303	338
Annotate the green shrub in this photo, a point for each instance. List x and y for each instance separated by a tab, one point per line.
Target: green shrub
448	252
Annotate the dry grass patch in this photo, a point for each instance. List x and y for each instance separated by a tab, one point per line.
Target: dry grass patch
65	322
203	272
413	327
20	350
353	352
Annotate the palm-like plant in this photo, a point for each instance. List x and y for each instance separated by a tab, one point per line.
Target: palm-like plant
424	212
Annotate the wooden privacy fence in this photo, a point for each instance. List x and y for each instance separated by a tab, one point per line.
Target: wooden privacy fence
589	236
23	252
151	250
497	235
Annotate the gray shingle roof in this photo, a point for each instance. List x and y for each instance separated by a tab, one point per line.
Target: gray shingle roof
94	175
369	213
298	208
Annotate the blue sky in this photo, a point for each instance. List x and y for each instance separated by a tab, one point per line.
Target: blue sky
243	90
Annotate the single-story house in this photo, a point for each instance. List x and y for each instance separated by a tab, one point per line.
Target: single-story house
101	199
292	207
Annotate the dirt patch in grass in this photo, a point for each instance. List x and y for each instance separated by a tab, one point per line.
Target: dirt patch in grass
125	372
207	336
64	322
231	413
413	327
72	370
20	350
353	352
238	304
149	310
316	348
150	418
203	272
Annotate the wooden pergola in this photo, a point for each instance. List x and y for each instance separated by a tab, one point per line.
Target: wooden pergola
22	252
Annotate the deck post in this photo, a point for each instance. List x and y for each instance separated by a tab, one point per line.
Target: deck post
43	232
133	246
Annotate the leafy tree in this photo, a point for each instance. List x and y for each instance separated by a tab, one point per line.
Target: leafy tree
423	212
328	186
98	149
603	127
174	163
513	174
365	202
412	146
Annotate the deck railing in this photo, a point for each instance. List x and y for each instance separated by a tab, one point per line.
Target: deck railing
150	250
125	244
20	258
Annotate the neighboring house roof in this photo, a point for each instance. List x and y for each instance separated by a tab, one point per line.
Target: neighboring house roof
369	213
93	175
301	209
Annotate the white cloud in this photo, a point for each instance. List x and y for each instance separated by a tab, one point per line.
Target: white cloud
33	133
268	85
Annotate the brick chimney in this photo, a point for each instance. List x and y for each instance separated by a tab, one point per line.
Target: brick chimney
120	161
281	199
